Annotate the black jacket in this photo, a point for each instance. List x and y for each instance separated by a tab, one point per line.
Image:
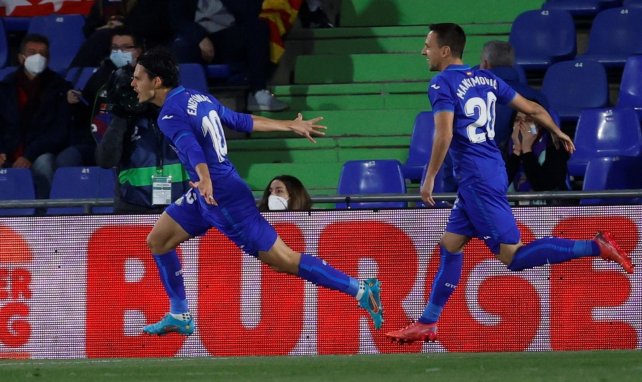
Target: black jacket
48	126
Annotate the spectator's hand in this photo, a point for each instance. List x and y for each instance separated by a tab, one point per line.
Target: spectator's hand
517	143
73	96
206	190
528	138
22	162
426	190
307	128
3	159
207	49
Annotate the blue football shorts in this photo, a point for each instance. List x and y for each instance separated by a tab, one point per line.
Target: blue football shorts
236	215
483	212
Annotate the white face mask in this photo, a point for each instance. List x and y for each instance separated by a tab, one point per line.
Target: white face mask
277	203
35	64
121	58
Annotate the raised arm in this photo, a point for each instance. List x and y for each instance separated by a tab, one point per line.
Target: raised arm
305	128
541	116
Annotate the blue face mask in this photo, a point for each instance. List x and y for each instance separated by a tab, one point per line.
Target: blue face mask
121	58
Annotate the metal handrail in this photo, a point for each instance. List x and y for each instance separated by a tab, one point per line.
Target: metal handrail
88	203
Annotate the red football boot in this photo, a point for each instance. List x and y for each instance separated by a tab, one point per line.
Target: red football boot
611	251
414	332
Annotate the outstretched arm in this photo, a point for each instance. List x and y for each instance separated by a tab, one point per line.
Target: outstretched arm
541	116
305	128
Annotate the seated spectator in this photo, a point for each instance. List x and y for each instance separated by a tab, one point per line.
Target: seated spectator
499	58
536	162
34	114
223	32
147	19
285	192
150	176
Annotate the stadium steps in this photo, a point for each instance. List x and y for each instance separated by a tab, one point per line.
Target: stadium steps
359	13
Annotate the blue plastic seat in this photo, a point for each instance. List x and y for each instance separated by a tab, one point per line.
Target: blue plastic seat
631	85
81	183
571	86
632	4
615	35
65	37
78	77
585	8
420	146
193	76
6	71
372	177
605	133
16	184
542	37
612	173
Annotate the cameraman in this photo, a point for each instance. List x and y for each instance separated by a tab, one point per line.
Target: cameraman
150	175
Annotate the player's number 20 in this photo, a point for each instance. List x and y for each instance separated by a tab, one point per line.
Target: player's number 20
211	125
485	110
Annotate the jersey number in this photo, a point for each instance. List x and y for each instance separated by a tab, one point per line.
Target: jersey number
486	112
212	125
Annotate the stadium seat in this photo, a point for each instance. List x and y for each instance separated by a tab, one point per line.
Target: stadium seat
571	86
612	174
65	37
541	37
81	183
4	45
78	77
615	35
582	8
420	146
372	177
193	76
16	184
6	71
632	4
605	133
630	94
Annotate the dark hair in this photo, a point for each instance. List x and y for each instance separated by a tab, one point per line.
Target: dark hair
299	199
159	62
450	34
498	53
33	38
125	31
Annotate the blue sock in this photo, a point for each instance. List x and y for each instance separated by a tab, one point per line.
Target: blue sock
443	286
321	273
552	250
171	274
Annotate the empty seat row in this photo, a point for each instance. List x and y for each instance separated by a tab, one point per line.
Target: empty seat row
68	183
542	37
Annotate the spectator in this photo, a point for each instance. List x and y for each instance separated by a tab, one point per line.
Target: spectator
86	105
499	58
34	114
150	175
536	162
285	192
147	19
223	32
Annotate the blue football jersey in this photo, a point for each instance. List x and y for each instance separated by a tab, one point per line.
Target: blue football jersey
471	95
193	121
